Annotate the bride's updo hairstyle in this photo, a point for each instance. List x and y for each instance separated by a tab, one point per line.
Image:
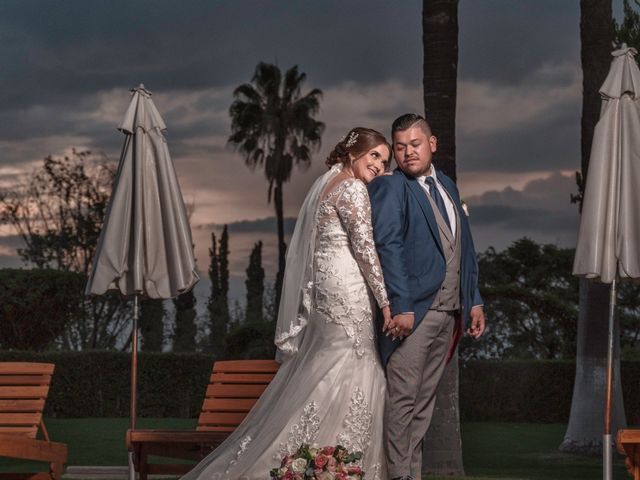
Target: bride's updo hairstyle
356	143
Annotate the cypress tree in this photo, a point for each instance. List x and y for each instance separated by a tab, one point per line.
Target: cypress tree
255	286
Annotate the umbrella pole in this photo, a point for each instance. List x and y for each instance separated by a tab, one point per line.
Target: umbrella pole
606	438
134	378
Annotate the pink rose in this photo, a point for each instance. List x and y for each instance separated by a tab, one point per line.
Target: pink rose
332	464
328	450
289	475
341	476
321	460
354	470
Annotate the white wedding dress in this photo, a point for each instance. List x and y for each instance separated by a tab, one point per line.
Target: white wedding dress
330	388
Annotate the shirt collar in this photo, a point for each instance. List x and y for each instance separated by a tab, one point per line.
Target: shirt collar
432	173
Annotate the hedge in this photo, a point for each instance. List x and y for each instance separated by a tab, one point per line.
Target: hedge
96	384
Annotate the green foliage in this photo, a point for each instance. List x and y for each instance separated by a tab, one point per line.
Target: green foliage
59	211
251	340
152	324
629	30
531	305
36	305
184	333
531	302
218	305
96	384
255	286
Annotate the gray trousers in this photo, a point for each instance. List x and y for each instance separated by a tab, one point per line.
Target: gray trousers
413	373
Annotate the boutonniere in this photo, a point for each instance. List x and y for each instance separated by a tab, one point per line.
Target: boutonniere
465	207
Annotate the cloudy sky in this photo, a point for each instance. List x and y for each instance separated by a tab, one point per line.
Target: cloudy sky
67	68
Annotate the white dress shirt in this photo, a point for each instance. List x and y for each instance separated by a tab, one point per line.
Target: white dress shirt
448	203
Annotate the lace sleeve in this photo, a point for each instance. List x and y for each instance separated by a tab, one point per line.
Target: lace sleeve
354	211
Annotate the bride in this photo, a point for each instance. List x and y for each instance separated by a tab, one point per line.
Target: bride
330	388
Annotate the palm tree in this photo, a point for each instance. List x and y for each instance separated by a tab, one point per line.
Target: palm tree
584	432
273	125
442	447
440	75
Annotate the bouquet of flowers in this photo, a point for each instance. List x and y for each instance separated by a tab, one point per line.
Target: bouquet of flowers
319	463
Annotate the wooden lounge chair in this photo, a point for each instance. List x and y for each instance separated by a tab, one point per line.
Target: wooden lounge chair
628	442
234	387
23	391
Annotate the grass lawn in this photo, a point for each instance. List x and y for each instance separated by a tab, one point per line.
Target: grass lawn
507	451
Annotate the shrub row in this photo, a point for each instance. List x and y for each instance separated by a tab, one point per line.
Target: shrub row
96	384
532	391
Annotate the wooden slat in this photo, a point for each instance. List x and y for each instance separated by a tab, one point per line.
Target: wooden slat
172	436
25	379
23	392
20	419
246	366
22	368
235	391
263	378
13	405
217	418
29	431
30	449
227	405
629	435
208	428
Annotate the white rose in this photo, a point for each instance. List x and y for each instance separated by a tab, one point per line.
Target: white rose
299	465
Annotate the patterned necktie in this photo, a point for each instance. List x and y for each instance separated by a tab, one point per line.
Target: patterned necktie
437	198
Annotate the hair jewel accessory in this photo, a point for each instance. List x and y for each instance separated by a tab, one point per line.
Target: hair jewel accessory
351	140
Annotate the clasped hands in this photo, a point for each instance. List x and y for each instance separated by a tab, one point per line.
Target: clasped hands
398	326
401	325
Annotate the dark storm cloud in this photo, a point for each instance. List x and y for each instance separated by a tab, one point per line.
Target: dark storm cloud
503	41
75	47
54	50
541	210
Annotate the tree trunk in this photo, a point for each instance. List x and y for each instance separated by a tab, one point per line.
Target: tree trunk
586	421
440	73
282	247
442	451
584	433
442	447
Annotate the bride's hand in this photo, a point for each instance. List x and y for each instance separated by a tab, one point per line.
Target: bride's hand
386	314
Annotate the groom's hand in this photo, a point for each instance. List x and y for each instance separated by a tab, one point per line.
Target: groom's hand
401	325
476	328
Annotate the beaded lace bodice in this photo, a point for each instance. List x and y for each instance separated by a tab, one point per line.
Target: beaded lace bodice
346	261
344	221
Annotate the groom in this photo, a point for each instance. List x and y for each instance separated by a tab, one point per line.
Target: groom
429	263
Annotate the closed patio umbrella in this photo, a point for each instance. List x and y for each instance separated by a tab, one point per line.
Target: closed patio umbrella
145	247
607	249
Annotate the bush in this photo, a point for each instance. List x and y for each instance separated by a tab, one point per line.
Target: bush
36	305
96	384
536	391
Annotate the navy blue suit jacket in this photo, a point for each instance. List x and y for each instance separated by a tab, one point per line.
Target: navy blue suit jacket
410	250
